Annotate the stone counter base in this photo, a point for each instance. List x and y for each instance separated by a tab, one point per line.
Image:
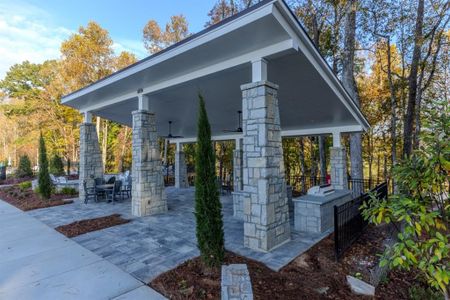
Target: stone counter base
314	214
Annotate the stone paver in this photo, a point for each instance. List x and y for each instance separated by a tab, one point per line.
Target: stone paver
40	263
151	245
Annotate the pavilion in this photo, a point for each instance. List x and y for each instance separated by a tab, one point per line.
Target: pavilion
260	61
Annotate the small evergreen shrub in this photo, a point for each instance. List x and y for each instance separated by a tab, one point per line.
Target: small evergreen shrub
45	184
25	185
57	166
68	191
24	169
208	209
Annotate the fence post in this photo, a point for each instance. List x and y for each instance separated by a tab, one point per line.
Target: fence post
336	233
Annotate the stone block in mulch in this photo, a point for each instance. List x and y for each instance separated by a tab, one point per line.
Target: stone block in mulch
236	282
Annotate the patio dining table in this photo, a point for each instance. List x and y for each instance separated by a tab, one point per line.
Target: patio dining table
106	186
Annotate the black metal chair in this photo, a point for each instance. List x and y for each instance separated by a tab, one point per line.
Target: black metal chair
89	193
111	180
99	191
116	190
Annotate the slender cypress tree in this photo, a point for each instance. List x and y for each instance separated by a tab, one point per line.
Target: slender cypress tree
208	214
45	185
56	165
24	169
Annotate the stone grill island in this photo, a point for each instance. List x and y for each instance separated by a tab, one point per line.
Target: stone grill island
314	213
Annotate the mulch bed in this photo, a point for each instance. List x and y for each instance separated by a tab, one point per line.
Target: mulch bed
85	226
29	200
13	180
313	275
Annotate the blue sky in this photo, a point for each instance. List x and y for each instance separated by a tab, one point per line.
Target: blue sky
34	29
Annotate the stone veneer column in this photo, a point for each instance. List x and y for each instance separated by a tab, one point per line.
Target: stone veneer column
266	213
181	180
338	163
91	165
148	194
238	195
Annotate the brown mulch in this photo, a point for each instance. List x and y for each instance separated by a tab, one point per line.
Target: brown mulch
85	226
13	180
312	275
29	200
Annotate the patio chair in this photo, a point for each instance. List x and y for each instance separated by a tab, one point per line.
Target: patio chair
111	180
116	190
54	179
89	193
126	187
98	182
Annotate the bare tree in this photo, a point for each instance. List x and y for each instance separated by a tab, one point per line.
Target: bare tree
348	80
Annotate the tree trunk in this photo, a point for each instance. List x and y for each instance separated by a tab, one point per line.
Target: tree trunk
314	159
302	162
348	80
97	126
322	158
412	83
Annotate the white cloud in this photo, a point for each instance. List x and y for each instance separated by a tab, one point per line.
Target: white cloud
27	34
133	46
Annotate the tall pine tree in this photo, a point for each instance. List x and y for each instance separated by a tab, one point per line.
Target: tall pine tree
45	185
208	214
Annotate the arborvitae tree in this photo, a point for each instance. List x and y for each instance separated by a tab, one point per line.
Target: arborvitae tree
24	169
45	185
56	165
208	214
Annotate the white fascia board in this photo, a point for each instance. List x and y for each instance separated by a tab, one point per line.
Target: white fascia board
224	65
284	133
287	21
202	39
322	131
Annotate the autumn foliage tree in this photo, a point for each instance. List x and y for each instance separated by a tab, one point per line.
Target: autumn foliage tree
156	39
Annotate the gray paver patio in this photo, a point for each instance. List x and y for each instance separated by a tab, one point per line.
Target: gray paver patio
151	245
36	262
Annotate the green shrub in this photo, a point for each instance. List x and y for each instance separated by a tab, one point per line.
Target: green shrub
208	214
417	292
45	184
68	191
421	206
24	169
25	185
56	165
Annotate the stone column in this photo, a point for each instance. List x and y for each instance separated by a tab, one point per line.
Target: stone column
148	194
181	180
91	165
238	195
266	213
338	163
237	166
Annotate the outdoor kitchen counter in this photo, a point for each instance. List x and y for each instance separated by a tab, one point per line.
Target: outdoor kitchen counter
315	213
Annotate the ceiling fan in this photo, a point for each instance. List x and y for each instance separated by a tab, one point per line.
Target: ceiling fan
170	136
239	128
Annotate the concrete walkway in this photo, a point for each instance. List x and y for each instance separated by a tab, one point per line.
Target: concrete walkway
36	262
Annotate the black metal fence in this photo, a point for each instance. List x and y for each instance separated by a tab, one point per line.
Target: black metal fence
361	186
301	184
349	224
